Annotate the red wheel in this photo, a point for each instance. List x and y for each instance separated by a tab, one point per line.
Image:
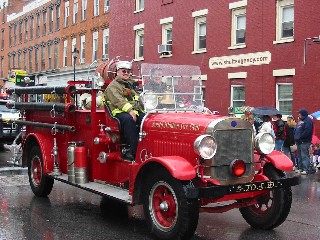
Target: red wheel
40	184
164	206
169	213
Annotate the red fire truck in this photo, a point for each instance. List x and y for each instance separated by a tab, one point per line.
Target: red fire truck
188	160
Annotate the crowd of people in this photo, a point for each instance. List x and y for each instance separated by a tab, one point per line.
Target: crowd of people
293	138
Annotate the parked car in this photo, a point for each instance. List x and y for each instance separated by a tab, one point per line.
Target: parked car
8	130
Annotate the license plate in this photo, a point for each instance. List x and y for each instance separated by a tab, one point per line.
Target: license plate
256	186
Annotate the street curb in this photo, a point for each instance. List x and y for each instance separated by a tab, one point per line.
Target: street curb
13	171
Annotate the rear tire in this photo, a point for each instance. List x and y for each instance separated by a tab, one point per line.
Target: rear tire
169	213
273	208
41	185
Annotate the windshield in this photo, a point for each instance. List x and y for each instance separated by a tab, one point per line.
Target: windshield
171	87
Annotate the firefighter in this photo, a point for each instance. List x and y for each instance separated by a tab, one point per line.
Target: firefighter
125	105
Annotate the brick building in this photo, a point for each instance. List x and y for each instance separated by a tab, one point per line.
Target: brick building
39	36
252	52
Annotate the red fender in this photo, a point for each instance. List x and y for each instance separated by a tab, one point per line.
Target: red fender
46	145
178	167
280	160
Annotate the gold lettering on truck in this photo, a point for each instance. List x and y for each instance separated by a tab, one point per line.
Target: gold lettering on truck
178	126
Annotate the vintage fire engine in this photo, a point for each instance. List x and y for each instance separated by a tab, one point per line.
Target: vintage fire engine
188	160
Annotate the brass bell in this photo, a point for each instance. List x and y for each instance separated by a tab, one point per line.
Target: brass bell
167	99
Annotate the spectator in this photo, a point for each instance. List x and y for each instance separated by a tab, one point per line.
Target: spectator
125	105
280	132
303	137
266	125
289	141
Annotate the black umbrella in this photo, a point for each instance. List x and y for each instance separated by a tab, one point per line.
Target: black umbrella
265	111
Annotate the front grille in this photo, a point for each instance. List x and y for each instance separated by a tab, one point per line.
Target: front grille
234	141
233	144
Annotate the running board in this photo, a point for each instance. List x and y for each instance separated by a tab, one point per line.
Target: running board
105	190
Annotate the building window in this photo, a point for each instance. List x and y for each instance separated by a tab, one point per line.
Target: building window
84	10
51	20
200	31
95	46
10	37
65	53
238	31
31	27
15	34
43	58
82	49
285	21
44	29
105	47
26	28
139	5
56	55
75	11
73	46
2	38
139	44
30	61
66	14
237	96
20	32
36	59
25	59
19	60
166	50
285	98
58	18
38	26
96	7
50	56
106	5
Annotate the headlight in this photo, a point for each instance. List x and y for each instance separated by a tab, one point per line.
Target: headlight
150	101
264	143
205	146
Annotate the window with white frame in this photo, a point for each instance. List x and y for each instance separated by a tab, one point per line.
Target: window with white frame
51	20
285	20
285	98
73	46
96	7
56	55
139	44
106	6
84	10
237	96
75	11
105	46
238	24
65	53
82	49
139	5
166	24
238	35
66	13
200	30
50	56
95	45
57	17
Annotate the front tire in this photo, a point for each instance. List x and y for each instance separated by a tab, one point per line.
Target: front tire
41	185
169	213
273	208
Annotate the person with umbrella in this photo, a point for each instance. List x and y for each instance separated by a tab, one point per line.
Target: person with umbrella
303	138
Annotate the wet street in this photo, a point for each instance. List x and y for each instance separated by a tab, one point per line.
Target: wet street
71	213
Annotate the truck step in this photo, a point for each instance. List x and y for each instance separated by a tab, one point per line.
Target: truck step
102	189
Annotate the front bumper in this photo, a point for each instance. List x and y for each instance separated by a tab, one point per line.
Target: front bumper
221	191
